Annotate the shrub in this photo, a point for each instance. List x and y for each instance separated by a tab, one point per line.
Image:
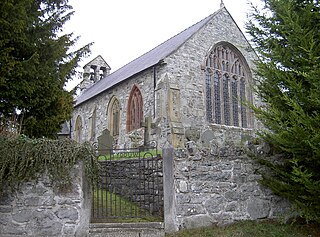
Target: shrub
24	159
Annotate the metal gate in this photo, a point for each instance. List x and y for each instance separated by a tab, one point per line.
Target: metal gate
130	186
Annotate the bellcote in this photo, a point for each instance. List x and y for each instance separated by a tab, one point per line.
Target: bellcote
96	69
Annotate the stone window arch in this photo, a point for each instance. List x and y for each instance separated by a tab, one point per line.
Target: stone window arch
92	124
114	117
227	80
78	129
135	109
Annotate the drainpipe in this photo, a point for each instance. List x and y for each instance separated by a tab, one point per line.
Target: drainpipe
70	124
154	90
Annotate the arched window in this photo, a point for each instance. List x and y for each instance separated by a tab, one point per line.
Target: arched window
78	129
226	82
235	101
135	109
209	95
217	98
226	98
114	117
92	124
243	108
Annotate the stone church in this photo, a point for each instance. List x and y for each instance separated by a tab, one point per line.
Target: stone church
197	80
189	93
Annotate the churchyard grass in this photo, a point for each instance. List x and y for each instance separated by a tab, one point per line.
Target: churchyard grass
130	155
254	229
122	207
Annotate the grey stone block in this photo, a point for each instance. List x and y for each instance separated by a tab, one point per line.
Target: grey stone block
214	204
23	215
69	213
197	221
258	208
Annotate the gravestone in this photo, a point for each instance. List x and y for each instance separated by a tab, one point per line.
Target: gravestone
207	137
135	138
105	142
148	125
192	134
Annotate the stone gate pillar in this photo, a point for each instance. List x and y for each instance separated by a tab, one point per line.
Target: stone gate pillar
168	111
169	197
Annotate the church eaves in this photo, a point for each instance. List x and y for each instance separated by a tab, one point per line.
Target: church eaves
147	60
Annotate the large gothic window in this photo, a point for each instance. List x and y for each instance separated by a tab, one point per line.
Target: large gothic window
78	129
226	83
135	109
114	117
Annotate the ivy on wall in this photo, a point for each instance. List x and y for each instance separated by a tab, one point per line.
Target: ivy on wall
23	159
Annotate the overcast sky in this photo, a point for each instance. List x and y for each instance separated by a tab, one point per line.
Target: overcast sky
122	30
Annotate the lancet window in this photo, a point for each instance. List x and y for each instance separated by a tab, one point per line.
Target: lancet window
78	129
135	109
226	83
114	117
92	123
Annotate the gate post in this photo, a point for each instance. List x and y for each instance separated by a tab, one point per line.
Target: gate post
169	200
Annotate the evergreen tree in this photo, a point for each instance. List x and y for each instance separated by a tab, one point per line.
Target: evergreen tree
286	35
36	61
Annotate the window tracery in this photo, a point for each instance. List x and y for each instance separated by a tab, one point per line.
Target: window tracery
226	81
217	98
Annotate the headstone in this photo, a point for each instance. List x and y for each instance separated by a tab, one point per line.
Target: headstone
135	138
207	137
148	125
105	142
192	134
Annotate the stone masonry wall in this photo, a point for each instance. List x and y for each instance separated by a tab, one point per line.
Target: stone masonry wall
143	80
140	180
36	209
184	66
218	182
180	75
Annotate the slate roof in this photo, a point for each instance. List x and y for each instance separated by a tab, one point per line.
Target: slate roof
143	62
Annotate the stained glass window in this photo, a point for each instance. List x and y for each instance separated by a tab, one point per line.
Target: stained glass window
78	129
243	98
217	98
226	104
114	117
226	87
92	121
135	109
235	109
209	97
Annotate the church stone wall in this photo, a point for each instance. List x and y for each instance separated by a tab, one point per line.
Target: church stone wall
183	76
214	180
145	83
217	183
178	101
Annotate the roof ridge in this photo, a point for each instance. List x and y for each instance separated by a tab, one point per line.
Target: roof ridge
166	40
144	61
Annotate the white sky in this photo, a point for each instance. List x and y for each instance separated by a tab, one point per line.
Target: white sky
122	30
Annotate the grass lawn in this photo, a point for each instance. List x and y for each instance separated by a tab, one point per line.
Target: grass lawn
254	229
129	155
110	207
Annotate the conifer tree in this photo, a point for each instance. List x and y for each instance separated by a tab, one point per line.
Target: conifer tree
286	35
36	61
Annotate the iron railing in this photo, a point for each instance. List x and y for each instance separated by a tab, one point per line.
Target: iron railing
130	185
